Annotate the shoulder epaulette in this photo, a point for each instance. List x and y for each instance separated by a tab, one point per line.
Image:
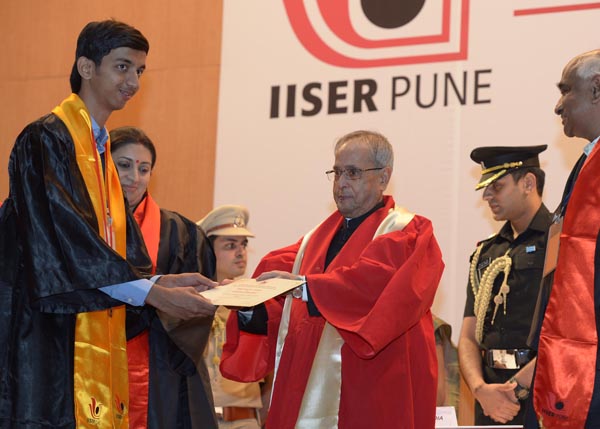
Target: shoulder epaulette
479	243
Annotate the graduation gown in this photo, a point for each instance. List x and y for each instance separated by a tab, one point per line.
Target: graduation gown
179	394
377	294
568	344
53	262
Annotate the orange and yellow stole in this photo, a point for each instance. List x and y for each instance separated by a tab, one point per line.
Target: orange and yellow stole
100	358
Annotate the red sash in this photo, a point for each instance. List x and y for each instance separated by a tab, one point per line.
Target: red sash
566	363
147	215
138	352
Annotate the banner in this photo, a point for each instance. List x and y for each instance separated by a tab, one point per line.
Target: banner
437	77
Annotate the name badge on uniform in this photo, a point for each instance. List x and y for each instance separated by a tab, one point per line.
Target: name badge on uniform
552	247
483	264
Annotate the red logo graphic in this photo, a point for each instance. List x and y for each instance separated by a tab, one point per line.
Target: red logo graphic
555	408
375	33
95	408
554	7
119	404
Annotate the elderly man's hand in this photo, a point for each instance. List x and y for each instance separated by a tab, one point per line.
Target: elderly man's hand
182	302
278	274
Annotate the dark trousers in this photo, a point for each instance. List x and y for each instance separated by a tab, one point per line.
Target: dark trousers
593	417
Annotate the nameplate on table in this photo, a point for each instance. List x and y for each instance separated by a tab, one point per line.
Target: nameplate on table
445	417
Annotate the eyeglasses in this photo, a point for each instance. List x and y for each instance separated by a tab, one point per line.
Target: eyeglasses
351	173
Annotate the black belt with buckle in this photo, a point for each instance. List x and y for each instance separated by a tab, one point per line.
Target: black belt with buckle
507	358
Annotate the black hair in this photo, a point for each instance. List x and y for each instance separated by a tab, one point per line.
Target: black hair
539	174
98	38
123	136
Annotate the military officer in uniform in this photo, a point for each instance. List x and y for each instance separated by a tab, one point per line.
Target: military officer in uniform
504	278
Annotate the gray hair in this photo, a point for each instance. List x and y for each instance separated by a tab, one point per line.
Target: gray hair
587	64
381	149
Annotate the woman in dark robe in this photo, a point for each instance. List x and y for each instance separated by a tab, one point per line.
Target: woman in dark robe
169	384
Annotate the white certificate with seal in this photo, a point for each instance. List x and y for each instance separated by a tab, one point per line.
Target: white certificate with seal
249	292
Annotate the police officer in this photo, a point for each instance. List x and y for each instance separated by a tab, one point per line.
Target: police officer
504	278
237	405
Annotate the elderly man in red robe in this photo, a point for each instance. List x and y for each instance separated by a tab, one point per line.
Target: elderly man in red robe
353	347
567	379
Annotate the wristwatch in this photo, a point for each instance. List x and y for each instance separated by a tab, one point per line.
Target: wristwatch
521	392
297	292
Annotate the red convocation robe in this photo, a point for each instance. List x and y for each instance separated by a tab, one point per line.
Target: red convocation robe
566	365
377	294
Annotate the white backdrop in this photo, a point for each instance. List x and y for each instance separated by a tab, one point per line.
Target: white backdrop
508	55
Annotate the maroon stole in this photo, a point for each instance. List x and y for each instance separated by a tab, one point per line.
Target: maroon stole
147	215
566	363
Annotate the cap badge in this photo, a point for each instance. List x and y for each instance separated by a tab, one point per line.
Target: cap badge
239	222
